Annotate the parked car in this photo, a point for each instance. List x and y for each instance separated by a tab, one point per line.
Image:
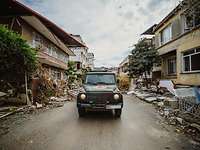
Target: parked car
100	93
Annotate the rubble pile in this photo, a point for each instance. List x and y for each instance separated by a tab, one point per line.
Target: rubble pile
179	110
43	93
175	117
147	95
52	91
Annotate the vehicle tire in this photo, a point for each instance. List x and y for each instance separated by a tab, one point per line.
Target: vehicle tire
118	113
81	112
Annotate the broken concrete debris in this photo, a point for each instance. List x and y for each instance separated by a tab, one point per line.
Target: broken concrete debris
161	98
150	99
171	102
130	92
2	94
38	105
179	108
11	112
179	120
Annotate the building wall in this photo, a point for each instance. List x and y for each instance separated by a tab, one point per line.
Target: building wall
90	57
123	66
81	56
189	41
164	67
27	33
56	66
181	42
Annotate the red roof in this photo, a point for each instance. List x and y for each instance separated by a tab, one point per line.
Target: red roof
15	8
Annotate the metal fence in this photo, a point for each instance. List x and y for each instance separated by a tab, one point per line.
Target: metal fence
190	107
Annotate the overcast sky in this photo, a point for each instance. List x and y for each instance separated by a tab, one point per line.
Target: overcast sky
108	27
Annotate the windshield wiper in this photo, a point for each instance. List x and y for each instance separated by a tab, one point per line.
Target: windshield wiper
103	83
92	83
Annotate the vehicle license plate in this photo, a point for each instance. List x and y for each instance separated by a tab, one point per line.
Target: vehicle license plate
113	107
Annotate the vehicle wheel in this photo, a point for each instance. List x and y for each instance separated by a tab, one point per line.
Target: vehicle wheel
118	113
81	112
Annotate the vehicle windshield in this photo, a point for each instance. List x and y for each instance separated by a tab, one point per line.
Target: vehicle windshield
95	79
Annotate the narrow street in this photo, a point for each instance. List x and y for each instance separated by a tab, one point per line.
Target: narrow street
140	128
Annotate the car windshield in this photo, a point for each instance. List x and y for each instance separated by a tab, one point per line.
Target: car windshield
100	79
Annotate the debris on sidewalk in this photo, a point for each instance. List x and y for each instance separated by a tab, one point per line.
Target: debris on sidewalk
130	92
11	112
179	107
2	94
38	105
168	84
150	99
171	102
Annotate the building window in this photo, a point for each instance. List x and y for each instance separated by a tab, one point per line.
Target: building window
171	64
184	26
191	60
192	15
166	35
78	66
56	74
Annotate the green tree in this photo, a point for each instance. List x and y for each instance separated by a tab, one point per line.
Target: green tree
71	73
191	9
143	57
16	57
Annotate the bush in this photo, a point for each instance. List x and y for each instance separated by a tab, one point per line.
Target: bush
16	57
124	82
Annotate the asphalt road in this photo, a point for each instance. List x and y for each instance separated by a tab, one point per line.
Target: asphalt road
139	128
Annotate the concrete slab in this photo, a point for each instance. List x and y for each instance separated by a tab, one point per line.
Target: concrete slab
150	99
130	92
161	98
2	94
185	92
143	96
171	102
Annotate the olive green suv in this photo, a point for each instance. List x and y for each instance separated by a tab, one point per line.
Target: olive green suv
100	93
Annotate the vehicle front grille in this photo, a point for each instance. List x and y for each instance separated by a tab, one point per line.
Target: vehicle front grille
99	98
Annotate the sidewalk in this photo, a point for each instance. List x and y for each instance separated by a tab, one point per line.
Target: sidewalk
170	108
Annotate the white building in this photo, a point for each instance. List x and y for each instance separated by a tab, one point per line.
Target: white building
123	66
81	58
90	57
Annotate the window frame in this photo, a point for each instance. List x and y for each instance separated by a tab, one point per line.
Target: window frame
172	58
189	55
162	42
184	25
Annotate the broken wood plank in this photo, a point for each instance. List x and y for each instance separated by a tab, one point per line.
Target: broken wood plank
10	113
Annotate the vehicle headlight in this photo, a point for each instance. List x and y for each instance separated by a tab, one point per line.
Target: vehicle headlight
116	96
82	96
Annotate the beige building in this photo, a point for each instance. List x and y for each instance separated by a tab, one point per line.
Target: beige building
177	39
83	58
91	59
124	66
50	40
81	54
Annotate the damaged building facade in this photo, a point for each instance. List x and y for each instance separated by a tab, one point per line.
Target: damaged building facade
90	57
124	65
83	58
80	57
177	39
51	41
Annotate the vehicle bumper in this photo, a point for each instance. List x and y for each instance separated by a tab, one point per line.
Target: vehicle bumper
100	106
